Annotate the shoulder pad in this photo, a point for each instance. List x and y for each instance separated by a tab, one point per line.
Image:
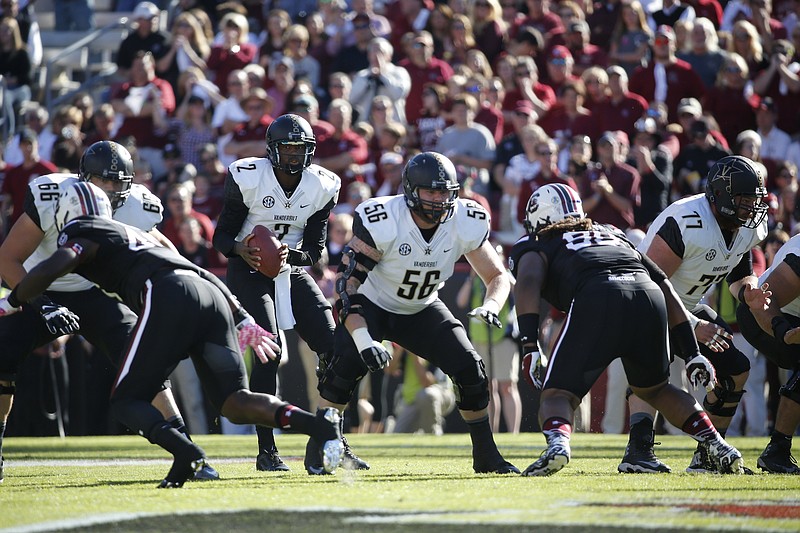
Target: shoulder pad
247	172
142	209
329	181
472	220
381	218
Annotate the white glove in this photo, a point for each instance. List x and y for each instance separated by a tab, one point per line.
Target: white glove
700	371
372	352
534	369
486	314
253	335
6	308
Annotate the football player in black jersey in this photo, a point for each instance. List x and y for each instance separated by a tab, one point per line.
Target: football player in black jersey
105	322
293	198
595	275
183	311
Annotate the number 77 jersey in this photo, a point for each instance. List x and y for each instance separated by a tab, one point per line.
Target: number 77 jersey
689	228
411	270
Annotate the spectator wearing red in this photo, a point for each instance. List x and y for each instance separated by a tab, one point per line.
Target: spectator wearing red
667	78
234	52
585	54
710	9
408	16
569	117
179	208
559	67
512	16
488	114
248	137
529	88
17	178
546	155
423	68
488	27
307	107
596	81
144	102
781	82
543	19
623	107
690	110
730	101
344	147
614	187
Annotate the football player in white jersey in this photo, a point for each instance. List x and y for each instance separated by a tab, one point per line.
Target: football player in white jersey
293	198
699	241
105	322
772	327
404	248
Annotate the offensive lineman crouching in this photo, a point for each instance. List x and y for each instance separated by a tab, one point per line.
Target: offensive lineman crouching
403	249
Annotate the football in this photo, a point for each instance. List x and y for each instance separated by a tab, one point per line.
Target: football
269	244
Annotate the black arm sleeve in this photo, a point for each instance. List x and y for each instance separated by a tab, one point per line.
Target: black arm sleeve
743	269
361	232
656	274
671	233
315	236
29	207
234	212
793	261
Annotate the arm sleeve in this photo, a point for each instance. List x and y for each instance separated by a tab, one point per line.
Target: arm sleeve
741	270
234	212
315	235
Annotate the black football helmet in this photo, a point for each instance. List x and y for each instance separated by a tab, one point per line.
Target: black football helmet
430	170
731	179
109	161
290	129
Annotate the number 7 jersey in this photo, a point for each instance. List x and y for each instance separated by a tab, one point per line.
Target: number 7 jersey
411	270
689	225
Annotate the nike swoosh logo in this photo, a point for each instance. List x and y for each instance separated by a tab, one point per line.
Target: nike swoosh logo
445	251
304	206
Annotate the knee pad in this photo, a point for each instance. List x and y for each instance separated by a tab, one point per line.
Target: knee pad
334	386
792	388
8	390
726	393
472	387
323	362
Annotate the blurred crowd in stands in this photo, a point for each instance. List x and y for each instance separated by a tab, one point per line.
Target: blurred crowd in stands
630	102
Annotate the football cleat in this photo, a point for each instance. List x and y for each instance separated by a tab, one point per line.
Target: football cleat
725	458
180	472
552	459
701	463
351	460
207	473
1	468
313	459
498	466
639	457
775	459
332	451
270	461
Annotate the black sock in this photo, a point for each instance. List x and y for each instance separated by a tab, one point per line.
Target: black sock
174	442
780	438
481	434
641	424
2	432
295	419
178	423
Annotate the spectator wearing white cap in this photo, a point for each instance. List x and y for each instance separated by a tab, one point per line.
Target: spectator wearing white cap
146	37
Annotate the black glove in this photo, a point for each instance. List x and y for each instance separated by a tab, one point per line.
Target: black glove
58	319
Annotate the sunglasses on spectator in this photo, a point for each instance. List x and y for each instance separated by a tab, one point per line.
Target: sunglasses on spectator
522	73
420	45
559	61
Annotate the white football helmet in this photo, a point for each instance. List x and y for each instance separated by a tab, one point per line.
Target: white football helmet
551	203
82	198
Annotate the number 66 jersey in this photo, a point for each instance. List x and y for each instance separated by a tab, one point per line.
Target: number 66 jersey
690	229
411	270
142	210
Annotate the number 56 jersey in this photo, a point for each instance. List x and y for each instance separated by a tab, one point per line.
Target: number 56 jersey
411	270
689	228
142	210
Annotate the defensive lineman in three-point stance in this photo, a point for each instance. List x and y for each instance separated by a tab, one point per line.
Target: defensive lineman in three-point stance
403	249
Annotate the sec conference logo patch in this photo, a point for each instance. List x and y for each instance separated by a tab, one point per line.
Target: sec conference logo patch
405	249
268	202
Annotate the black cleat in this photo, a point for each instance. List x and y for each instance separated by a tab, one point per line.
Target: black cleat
497	465
326	458
1	468
181	472
351	460
270	461
313	460
207	473
639	457
775	459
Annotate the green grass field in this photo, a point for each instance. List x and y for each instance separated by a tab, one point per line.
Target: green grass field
417	483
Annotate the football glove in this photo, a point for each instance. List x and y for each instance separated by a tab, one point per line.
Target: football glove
6	308
59	320
259	339
534	369
700	371
487	315
372	352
